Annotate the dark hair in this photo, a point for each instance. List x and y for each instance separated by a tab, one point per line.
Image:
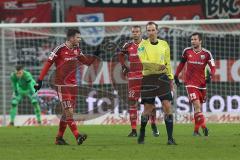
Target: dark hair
152	23
19	67
72	32
137	26
197	34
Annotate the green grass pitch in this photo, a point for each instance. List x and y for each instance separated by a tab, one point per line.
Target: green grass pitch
112	143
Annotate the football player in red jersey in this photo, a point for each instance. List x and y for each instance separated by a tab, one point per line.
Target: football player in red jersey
134	75
66	58
196	58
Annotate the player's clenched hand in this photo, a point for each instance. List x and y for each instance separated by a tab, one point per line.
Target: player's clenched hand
177	82
125	70
38	85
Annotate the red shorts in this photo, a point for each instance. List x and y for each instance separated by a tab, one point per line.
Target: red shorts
134	89
67	93
196	94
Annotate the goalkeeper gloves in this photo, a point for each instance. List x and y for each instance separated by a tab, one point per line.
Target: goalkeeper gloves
177	82
125	70
38	85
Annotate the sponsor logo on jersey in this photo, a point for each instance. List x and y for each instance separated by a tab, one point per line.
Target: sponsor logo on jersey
70	59
195	62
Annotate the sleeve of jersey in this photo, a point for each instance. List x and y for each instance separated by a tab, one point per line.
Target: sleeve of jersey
211	64
121	54
181	64
86	59
13	82
51	59
168	62
142	53
44	70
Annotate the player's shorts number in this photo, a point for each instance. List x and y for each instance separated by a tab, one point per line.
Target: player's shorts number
192	96
66	104
131	93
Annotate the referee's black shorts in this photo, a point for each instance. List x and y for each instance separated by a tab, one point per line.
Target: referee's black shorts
156	85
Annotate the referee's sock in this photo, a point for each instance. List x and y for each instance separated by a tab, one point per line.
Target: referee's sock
144	121
169	125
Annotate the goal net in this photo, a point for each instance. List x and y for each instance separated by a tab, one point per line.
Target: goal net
102	87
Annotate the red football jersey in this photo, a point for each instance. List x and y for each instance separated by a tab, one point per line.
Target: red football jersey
135	68
66	62
195	69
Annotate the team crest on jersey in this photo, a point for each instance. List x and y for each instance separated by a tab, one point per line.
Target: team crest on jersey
202	56
75	52
140	49
93	36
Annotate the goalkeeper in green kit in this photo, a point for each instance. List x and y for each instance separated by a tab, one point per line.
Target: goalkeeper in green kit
23	85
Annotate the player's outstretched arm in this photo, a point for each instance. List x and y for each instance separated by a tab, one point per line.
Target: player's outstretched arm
178	71
209	75
44	71
121	58
90	58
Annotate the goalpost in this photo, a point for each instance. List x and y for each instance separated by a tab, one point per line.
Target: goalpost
102	88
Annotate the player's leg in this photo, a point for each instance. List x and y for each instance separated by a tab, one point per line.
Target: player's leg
194	98
134	87
153	123
69	102
148	108
62	127
165	95
61	130
69	110
168	118
63	122
133	117
14	102
203	122
148	95
37	109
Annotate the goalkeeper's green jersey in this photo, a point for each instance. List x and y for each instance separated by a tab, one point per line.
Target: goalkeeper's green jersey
154	55
26	82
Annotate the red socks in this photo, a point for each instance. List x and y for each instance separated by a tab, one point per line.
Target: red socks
133	117
62	127
72	125
152	119
199	121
